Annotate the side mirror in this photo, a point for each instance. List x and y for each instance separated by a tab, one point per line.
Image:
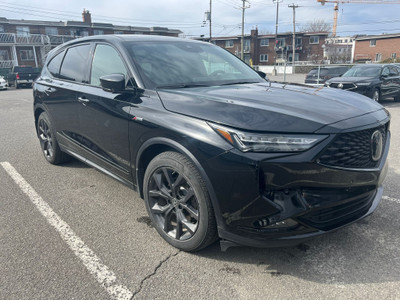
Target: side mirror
113	83
262	74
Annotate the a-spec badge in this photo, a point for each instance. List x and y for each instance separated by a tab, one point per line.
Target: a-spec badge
376	145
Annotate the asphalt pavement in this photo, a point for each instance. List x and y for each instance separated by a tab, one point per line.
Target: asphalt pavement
71	232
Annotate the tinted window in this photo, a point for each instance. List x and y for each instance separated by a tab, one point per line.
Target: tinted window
367	71
106	61
393	71
24	69
74	64
55	63
176	63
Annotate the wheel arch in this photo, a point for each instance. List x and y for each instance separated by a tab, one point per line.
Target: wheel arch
37	112
153	147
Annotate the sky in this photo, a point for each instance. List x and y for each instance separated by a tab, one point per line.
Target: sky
188	15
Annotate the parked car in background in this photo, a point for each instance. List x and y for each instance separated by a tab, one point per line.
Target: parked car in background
3	83
320	75
377	81
22	76
214	149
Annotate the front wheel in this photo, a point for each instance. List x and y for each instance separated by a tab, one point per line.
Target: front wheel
178	203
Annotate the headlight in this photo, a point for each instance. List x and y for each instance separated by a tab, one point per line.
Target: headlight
265	142
363	83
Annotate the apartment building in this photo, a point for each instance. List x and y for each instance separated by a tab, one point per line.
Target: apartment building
376	48
266	49
338	50
27	42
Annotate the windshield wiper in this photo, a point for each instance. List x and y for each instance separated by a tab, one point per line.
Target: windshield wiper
239	82
181	86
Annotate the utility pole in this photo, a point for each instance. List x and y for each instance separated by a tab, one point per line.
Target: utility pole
276	30
294	34
242	41
210	18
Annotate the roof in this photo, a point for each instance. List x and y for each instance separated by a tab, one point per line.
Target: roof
377	37
87	25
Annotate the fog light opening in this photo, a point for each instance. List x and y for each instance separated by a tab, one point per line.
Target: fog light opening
267	223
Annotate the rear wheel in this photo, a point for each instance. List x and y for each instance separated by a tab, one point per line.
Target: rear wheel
397	98
48	142
178	203
376	95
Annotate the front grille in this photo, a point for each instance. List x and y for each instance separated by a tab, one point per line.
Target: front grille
352	149
343	86
341	213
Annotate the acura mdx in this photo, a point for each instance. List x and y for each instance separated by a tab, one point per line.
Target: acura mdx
215	150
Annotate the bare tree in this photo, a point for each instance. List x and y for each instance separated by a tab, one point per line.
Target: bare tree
318	25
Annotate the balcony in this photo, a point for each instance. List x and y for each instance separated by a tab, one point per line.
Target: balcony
33	39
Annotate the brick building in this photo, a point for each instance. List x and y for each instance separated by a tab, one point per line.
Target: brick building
376	48
27	42
262	49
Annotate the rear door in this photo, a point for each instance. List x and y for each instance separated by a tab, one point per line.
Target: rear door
104	115
66	73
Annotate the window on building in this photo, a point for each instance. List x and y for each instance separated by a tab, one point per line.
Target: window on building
378	57
296	56
106	61
264	57
246	45
98	32
51	30
1	28
55	63
22	30
84	33
4	55
118	32
394	55
74	65
372	43
314	39
26	55
229	44
264	42
299	42
280	42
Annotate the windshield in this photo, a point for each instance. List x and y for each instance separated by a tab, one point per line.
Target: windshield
363	72
174	64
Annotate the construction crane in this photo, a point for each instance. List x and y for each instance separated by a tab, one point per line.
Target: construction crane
336	8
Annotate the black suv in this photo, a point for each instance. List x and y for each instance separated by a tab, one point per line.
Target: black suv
375	81
214	149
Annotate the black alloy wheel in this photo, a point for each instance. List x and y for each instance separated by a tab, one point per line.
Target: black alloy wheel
178	203
48	142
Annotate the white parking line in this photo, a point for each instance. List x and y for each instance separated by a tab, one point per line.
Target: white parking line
391	199
101	272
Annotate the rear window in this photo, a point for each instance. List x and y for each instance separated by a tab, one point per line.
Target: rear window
24	69
74	66
322	71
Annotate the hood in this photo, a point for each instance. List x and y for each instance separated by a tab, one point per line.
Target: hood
268	107
350	79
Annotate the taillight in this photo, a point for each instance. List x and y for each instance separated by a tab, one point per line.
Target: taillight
17	76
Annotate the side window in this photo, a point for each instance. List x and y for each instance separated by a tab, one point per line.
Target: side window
393	71
385	71
106	61
74	65
55	63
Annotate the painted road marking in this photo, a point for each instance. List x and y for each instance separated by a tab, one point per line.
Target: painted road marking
391	199
91	261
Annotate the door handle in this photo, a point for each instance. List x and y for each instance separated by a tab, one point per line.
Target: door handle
83	99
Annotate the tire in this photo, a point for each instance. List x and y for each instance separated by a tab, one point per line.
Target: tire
48	143
376	95
397	98
178	202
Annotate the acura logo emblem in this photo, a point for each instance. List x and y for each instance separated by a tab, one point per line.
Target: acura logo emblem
340	85
376	145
